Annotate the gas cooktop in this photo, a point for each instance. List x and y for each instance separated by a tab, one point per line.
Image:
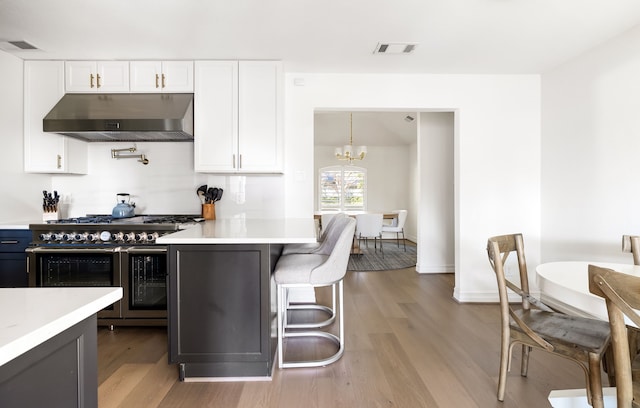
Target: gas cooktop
139	219
106	230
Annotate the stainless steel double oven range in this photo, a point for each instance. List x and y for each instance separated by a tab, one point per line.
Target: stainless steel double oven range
103	251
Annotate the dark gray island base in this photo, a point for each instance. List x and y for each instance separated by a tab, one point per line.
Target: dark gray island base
62	372
222	310
48	345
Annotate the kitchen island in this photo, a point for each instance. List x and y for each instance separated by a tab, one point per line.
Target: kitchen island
221	312
48	345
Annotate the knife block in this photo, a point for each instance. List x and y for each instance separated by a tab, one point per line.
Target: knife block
53	216
209	211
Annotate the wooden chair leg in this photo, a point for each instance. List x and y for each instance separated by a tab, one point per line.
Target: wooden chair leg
504	366
595	382
524	367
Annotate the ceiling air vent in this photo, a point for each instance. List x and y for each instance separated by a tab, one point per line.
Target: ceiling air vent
17	46
395	48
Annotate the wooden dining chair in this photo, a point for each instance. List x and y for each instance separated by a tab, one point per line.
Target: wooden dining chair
535	325
622	294
631	243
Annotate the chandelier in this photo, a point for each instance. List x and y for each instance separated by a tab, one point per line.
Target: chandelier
346	152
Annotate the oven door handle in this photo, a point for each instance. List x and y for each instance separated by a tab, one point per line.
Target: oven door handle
43	250
134	250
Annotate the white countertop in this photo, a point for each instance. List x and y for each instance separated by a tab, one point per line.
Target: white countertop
18	225
246	231
31	316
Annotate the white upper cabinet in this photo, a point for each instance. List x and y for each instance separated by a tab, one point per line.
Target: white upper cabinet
215	104
260	141
161	76
96	76
47	152
238	117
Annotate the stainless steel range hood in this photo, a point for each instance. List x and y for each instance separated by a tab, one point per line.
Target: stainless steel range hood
123	117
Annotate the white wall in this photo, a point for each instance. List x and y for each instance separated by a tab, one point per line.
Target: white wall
21	192
167	185
590	153
496	155
436	133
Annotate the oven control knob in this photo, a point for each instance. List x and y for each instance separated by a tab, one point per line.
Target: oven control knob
129	237
141	237
105	236
57	237
80	237
118	236
45	237
67	237
152	237
94	237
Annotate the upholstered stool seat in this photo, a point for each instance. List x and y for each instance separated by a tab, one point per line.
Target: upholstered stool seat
310	271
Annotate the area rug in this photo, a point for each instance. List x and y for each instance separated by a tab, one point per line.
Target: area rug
394	258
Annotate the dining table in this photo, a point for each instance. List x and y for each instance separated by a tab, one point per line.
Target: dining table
387	215
564	286
355	247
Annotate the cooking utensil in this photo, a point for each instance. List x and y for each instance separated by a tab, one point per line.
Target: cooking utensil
123	209
202	191
218	195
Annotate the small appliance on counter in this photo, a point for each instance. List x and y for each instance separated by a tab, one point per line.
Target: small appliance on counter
125	208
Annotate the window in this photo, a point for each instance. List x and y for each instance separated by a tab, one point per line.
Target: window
342	188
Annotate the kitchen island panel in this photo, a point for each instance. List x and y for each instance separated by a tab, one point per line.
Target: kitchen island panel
48	345
221	310
58	373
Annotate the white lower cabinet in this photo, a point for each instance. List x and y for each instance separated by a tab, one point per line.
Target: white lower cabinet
238	117
47	152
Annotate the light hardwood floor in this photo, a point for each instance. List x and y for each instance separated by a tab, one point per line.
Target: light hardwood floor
408	344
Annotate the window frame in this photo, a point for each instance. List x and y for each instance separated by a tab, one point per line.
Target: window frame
341	169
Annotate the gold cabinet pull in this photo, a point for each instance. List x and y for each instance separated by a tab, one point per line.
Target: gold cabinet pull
91	80
240	162
157	79
234	161
98	80
59	161
163	81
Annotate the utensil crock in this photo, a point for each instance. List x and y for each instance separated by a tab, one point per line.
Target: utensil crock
209	211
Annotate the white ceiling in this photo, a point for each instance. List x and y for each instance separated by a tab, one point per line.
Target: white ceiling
454	36
369	128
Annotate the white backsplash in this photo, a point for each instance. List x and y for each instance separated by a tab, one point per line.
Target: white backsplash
167	185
